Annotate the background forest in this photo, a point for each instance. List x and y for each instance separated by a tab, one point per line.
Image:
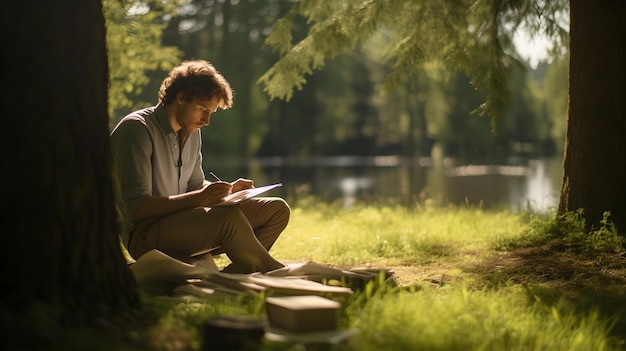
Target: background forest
345	108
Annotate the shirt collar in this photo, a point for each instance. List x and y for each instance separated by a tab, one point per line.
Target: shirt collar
161	117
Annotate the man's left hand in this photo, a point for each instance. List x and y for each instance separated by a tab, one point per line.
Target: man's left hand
242	184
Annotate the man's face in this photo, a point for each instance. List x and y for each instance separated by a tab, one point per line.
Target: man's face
195	114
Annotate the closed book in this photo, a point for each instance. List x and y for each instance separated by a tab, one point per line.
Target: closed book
304	313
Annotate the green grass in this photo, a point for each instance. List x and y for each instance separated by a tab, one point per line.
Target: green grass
461	319
392	235
469	279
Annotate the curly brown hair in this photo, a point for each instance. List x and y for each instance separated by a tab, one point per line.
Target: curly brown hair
197	79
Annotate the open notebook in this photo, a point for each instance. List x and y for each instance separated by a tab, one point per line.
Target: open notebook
241	195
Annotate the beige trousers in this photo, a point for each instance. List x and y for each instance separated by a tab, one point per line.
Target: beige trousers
245	233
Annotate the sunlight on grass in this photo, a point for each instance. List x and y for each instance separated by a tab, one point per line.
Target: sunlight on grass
458	319
455	291
363	235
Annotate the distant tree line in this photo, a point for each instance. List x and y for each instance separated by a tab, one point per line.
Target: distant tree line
343	109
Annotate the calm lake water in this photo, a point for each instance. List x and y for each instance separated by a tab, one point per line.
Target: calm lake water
516	183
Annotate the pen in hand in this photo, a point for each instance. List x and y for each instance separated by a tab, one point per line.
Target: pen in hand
214	176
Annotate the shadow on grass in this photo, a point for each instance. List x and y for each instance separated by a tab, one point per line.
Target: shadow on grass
558	275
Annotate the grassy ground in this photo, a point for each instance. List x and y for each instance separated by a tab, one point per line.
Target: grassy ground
469	279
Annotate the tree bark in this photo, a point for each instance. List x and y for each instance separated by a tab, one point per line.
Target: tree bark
60	232
595	147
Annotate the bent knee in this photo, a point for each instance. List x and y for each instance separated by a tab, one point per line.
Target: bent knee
226	213
282	205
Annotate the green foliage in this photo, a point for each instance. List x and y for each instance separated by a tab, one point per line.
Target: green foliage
472	37
334	29
350	105
539	230
555	95
569	227
605	238
134	30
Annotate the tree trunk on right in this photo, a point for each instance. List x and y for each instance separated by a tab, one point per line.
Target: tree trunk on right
594	176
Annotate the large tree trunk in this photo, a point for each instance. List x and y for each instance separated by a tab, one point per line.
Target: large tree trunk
595	148
60	234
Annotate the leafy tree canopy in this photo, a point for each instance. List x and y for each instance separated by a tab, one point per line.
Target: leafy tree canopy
134	30
474	37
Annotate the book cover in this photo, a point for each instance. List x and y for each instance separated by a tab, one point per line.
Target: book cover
302	314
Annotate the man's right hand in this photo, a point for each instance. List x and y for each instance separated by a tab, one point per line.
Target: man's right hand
215	192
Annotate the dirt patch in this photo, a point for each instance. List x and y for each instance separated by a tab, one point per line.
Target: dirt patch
549	265
558	265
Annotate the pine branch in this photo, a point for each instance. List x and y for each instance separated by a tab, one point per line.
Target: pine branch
471	36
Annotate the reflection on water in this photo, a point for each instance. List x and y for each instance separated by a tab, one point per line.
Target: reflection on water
351	186
518	184
543	185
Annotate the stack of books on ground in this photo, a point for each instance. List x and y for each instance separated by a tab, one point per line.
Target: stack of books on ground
356	277
302	305
304	319
301	320
160	274
217	283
